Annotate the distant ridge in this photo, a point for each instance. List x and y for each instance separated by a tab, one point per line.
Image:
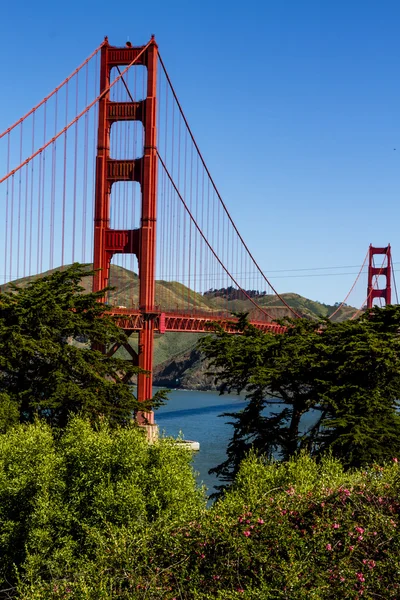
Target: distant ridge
179	297
177	362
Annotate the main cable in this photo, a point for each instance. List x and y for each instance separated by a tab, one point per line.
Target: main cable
370	293
57	89
86	110
207	242
351	289
217	192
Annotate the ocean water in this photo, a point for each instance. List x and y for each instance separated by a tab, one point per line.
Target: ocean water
194	415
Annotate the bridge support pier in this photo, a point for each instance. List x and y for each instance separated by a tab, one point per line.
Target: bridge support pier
151	431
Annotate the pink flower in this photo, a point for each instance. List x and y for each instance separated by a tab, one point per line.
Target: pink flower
290	491
247	533
360	538
335	526
202	555
351	548
395	460
240	590
360	577
359	529
329	547
260	521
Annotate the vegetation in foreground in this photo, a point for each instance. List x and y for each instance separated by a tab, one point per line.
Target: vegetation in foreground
89	510
98	514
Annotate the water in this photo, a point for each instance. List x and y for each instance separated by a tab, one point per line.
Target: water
195	414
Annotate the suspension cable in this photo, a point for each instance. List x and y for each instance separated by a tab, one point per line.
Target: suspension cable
374	285
217	192
57	89
394	280
207	242
28	160
351	289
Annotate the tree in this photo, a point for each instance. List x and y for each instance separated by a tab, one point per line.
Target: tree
344	377
43	370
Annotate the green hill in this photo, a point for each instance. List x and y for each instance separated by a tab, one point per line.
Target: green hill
177	362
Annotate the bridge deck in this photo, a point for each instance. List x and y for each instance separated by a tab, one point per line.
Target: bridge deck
132	320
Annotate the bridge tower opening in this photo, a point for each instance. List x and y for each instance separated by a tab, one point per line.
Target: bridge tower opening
141	241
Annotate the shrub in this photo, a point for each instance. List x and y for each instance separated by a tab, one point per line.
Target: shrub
71	503
102	515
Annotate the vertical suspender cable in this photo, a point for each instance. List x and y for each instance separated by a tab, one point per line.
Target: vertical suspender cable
64	194
75	170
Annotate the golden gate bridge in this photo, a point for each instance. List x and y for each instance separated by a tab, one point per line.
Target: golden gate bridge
105	170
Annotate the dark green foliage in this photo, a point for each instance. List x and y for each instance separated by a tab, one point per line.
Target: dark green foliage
346	375
48	366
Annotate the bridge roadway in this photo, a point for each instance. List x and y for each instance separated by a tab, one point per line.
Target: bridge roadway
133	319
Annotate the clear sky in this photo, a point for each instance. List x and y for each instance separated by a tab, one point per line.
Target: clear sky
294	103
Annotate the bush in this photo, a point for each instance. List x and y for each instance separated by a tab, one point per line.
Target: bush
102	515
71	504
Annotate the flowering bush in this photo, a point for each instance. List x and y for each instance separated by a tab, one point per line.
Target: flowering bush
118	525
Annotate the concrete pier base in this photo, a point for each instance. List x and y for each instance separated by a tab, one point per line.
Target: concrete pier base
189	444
151	430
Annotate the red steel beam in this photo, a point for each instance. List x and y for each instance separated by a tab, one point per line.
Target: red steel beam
133	320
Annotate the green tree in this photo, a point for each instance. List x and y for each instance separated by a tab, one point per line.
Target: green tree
49	367
344	378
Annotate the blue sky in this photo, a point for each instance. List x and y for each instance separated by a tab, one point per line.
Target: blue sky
295	105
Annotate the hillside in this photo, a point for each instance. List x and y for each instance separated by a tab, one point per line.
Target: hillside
177	362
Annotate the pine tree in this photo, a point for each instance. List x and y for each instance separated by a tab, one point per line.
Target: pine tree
344	376
44	370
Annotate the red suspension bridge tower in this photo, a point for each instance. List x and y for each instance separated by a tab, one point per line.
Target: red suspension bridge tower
141	241
373	271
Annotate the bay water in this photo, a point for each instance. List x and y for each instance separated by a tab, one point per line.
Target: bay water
195	416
